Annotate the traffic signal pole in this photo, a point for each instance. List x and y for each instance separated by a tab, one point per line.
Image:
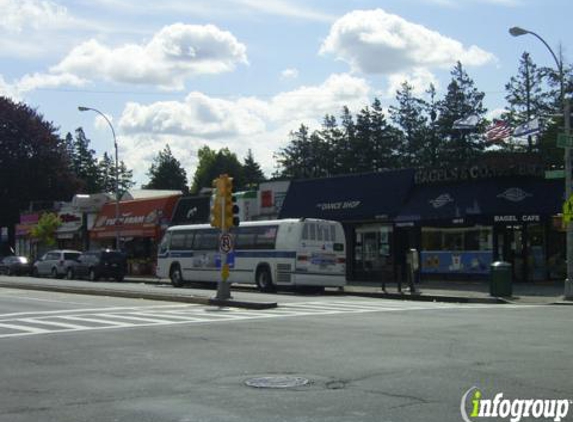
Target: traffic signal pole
223	195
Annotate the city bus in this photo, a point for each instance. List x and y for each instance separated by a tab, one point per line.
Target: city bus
270	254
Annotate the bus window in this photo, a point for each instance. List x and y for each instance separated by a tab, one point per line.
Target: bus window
312	230
163	246
206	240
189	241
177	241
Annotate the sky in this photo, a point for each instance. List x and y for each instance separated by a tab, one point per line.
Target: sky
242	74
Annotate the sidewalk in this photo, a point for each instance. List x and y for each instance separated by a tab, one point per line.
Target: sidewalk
545	293
542	293
549	292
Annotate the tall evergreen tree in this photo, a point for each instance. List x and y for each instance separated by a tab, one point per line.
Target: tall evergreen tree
462	99
252	171
410	118
167	173
85	163
527	94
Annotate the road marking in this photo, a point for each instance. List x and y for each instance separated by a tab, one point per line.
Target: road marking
79	320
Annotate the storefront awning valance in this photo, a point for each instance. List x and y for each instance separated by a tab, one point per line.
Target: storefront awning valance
138	218
371	196
487	201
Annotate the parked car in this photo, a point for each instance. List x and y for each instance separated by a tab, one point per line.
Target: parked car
15	265
56	263
105	263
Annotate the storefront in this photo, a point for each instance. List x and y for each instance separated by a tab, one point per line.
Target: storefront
140	225
461	220
464	226
366	205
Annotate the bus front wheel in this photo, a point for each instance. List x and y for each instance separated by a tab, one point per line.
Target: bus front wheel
176	276
265	280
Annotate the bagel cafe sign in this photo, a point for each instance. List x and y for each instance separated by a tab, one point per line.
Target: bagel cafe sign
476	172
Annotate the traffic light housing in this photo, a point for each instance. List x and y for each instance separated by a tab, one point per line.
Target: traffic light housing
216	216
224	210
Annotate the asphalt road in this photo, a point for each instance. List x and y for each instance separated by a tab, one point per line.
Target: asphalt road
88	358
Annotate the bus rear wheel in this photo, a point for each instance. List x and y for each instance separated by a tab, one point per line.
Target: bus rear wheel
264	280
176	276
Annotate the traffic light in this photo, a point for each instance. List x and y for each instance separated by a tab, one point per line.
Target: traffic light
216	217
231	208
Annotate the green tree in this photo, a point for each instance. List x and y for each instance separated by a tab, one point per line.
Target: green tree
462	99
411	119
252	172
34	163
45	230
527	95
213	163
85	163
167	173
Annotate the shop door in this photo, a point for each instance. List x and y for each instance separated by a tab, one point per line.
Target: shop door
372	254
523	247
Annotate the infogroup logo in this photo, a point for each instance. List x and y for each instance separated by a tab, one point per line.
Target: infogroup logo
474	407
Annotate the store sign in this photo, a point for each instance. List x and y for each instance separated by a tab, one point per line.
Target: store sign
535	218
514	195
477	172
441	200
341	205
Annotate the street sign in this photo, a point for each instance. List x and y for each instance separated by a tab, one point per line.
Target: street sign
564	140
568	210
226	243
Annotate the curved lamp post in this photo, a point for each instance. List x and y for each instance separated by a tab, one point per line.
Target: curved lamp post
117	225
516	32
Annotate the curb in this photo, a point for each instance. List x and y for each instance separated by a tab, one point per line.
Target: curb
142	295
431	298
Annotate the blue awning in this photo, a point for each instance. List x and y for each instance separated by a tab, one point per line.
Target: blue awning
369	196
488	201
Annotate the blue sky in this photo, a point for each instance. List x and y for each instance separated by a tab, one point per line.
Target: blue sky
243	73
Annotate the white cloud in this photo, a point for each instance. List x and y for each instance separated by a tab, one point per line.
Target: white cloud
290	73
240	124
378	42
174	54
419	79
20	15
41	80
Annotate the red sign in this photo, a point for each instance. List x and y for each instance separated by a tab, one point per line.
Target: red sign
137	218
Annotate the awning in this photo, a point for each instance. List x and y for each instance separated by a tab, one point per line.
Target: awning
369	196
191	210
486	201
138	218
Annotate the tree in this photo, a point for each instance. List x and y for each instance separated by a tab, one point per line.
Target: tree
252	171
410	118
213	163
462	99
85	163
167	173
527	95
34	163
45	230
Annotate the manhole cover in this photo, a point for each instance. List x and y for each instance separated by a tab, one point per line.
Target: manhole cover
277	382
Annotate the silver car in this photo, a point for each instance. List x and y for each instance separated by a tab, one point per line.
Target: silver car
56	263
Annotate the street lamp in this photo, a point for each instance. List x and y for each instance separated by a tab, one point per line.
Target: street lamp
117	225
566	109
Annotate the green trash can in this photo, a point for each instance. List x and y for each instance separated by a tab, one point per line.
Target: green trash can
500	282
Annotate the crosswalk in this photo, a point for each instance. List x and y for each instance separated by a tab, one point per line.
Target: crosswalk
75	320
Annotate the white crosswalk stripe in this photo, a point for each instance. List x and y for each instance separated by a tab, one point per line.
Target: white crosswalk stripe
35	323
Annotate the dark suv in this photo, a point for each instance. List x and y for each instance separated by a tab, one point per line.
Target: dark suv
105	263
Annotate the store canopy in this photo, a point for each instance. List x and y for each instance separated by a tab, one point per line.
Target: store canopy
488	201
138	218
191	210
371	196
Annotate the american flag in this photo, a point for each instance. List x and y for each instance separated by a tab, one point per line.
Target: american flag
498	131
